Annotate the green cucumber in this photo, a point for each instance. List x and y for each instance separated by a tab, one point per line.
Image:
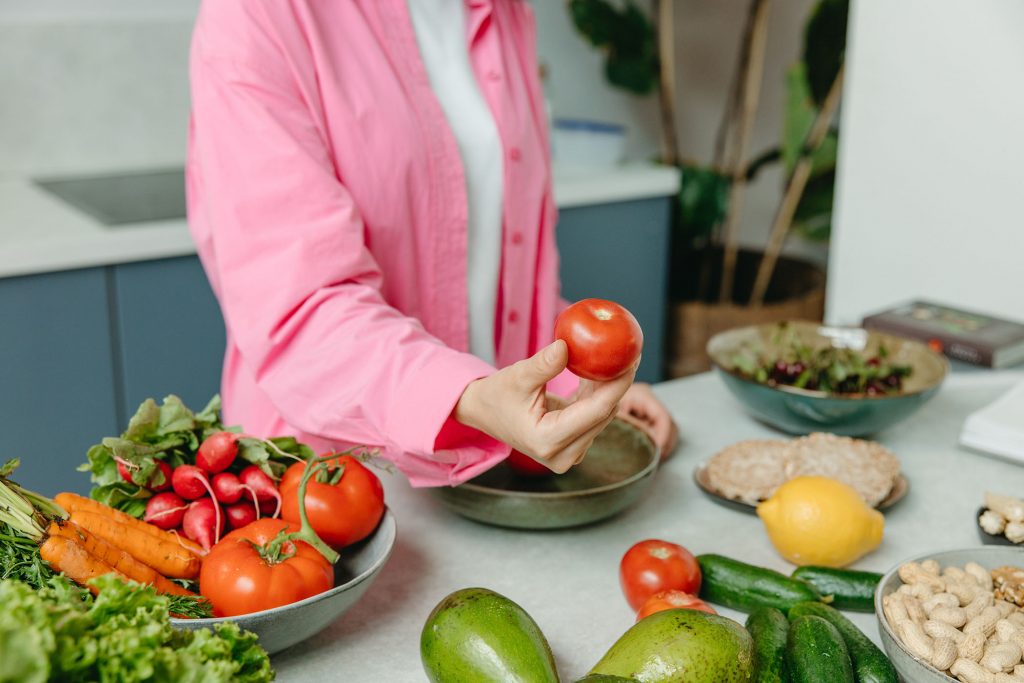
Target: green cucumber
744	587
870	665
850	589
816	653
769	629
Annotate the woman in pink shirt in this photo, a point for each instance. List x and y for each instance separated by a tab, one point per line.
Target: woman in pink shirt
342	220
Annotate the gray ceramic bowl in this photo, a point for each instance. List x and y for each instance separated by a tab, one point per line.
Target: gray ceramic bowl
283	627
801	411
910	668
619	467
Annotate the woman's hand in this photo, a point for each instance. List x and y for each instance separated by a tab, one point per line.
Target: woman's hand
640	406
511	406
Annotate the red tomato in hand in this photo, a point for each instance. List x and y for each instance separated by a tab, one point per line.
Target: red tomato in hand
672	599
653	566
340	513
236	579
604	339
524	465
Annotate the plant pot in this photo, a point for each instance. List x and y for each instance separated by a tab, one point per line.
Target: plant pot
797	292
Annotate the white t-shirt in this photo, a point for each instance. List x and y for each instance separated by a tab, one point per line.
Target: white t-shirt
440	27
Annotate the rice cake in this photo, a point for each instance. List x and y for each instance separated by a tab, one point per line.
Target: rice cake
868	467
749	471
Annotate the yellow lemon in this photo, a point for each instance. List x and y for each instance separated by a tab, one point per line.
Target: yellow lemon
820	521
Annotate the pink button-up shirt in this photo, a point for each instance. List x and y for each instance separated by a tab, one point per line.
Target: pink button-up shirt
327	201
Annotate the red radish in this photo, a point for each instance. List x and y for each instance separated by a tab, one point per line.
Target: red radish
164	469
227	488
190	483
256	479
125	468
203	522
217	452
240	514
267	507
165	510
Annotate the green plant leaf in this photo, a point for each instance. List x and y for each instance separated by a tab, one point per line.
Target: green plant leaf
824	46
703	200
627	38
813	217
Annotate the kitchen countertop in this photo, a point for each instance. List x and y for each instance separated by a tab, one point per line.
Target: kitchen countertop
40	233
568	580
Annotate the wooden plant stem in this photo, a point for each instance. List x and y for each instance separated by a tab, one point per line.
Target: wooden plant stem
722	137
794	190
752	76
664	10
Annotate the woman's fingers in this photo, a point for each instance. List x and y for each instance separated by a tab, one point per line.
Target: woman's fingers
563	427
574	453
542	367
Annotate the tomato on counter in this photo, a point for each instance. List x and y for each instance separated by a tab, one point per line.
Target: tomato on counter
604	339
672	599
653	566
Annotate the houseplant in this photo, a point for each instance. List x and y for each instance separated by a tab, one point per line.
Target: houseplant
714	284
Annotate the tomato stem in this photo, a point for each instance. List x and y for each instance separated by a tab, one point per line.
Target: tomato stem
336	475
307	533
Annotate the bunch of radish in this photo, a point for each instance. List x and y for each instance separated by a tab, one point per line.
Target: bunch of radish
205	498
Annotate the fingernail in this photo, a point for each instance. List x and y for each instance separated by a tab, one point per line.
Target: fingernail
551	352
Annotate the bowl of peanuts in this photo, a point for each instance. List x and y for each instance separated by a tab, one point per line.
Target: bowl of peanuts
955	616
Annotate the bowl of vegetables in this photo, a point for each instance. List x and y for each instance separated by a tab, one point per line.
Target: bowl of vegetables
282	627
802	377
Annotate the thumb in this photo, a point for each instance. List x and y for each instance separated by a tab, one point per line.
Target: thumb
543	366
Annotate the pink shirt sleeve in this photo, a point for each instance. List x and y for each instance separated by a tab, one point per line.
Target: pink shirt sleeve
300	290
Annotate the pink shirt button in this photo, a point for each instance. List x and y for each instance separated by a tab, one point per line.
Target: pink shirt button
494	75
513	316
517	237
514	154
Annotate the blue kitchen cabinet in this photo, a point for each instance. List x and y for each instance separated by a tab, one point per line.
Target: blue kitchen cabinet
57	375
620	251
170	334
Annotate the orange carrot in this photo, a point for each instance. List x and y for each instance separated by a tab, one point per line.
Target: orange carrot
68	556
166	556
72	502
118	559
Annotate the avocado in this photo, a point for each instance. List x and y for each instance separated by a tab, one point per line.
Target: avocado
681	646
478	636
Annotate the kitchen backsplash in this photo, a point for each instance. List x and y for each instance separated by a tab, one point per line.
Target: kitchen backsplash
85	92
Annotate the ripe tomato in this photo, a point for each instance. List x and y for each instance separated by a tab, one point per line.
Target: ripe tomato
653	566
524	465
237	579
604	339
340	513
672	599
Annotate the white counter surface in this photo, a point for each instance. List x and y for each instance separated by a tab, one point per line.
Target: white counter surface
40	233
568	580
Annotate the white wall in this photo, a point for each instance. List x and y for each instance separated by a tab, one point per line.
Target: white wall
94	85
931	163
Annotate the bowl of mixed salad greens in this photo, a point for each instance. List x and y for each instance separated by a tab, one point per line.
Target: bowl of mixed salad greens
802	377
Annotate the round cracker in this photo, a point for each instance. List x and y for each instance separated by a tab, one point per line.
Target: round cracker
748	471
867	466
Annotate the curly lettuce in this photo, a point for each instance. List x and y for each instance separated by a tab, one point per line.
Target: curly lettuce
124	634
